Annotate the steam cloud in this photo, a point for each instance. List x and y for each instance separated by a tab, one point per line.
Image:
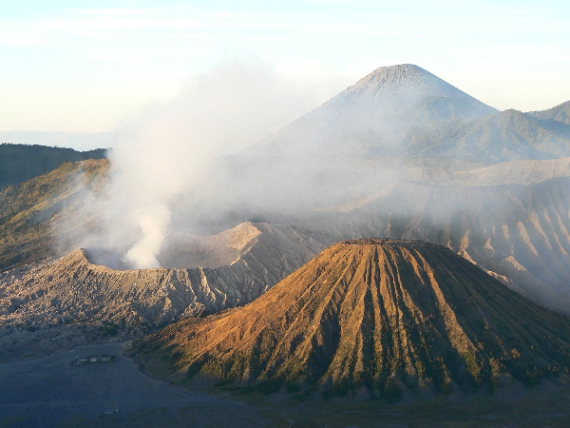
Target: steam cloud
162	155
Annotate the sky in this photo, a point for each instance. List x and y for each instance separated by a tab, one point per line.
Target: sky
85	66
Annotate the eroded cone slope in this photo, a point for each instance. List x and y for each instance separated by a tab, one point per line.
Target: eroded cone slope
374	316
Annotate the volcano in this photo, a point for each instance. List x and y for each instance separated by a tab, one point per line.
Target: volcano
376	317
372	117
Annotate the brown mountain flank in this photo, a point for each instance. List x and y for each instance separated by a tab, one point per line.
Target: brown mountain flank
375	317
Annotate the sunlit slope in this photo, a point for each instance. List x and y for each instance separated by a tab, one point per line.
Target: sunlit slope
29	211
375	317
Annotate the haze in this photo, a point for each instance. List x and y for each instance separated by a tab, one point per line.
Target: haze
80	67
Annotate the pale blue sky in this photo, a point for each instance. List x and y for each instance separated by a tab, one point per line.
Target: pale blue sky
75	65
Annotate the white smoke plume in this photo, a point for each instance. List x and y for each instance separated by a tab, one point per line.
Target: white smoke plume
161	154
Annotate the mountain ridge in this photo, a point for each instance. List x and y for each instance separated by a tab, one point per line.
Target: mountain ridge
558	113
509	135
22	162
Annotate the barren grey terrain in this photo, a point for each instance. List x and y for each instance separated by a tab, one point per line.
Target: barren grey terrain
49	391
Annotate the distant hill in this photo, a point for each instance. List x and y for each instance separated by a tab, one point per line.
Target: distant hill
372	117
406	111
30	210
506	136
21	162
371	318
559	113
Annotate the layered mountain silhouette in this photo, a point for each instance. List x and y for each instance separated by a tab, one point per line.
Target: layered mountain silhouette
519	233
406	111
372	117
374	133
400	154
21	162
559	113
505	136
403	154
374	317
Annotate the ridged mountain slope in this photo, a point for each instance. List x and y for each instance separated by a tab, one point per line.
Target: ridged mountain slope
373	316
520	232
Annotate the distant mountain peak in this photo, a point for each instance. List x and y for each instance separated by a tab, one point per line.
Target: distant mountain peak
373	116
400	73
404	80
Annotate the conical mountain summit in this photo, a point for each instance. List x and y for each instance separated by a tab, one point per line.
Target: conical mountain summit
408	81
372	116
379	318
